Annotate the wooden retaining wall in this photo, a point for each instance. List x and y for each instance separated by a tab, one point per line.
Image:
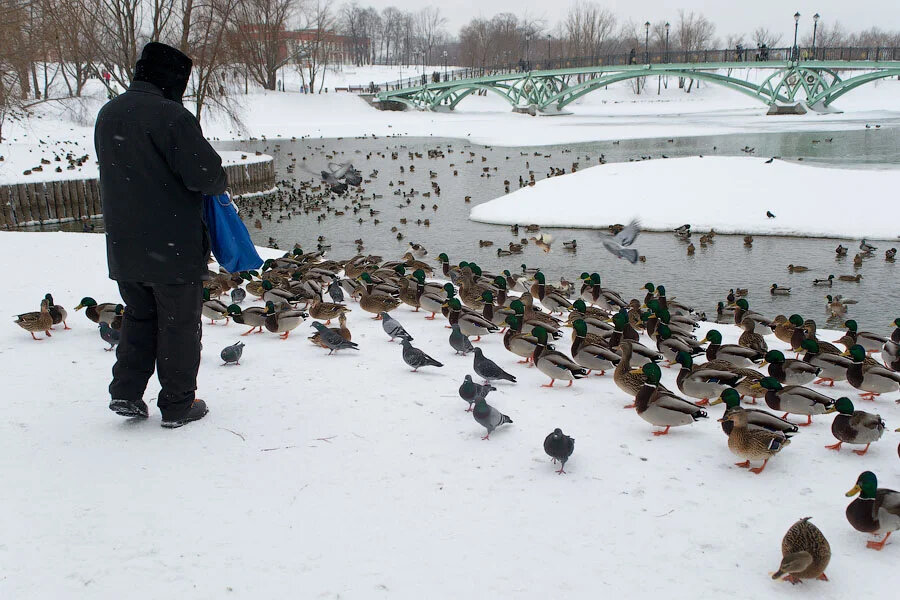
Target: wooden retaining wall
69	200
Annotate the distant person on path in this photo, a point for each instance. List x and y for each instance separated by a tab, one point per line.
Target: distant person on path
155	165
631	57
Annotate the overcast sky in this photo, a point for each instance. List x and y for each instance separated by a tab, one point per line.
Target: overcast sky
729	16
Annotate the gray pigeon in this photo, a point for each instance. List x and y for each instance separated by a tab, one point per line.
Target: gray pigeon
109	335
335	291
232	354
488	369
393	328
618	244
333	340
471	392
489	417
238	295
559	447
416	358
460	342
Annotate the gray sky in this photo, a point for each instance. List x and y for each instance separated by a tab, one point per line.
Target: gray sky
730	16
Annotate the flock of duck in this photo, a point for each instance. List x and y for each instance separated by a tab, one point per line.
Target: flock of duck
632	338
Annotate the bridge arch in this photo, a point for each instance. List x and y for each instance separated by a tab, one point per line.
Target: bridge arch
458	92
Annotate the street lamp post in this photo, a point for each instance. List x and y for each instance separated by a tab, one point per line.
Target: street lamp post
444	54
527	39
647	42
815	26
549	42
794	50
667	41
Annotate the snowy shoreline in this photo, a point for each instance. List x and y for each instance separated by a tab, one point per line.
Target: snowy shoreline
733	196
349	475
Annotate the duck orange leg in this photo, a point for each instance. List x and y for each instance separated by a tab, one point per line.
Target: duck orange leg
869	396
431	318
285	335
600	374
878	545
66	326
663	432
571	381
629	405
703	402
743	465
808	422
37	339
836	446
549	385
759	470
863	451
822	577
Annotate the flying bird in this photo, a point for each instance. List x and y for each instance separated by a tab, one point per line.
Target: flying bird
618	244
769	214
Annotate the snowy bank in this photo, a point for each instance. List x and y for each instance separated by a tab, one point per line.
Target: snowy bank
728	194
23	157
350	476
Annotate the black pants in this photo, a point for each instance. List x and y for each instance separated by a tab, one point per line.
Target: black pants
161	328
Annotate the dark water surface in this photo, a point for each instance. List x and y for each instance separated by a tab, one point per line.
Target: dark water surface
701	279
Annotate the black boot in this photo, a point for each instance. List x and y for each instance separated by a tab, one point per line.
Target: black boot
129	408
196	411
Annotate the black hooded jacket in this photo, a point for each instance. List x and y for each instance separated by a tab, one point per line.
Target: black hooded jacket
155	165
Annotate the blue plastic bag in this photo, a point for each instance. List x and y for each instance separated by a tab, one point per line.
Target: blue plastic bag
228	236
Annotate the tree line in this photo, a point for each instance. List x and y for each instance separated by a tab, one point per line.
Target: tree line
48	45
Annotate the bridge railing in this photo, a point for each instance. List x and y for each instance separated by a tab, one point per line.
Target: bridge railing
733	55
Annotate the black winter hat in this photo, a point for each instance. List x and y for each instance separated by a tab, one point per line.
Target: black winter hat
166	68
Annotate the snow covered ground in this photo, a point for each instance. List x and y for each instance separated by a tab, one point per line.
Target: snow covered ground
348	476
728	194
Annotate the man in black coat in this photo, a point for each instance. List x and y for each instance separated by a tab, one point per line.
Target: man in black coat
155	165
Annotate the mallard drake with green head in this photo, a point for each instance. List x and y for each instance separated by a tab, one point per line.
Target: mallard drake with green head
739	356
470	324
702	383
214	310
669	346
432	301
283	321
833	367
757	418
805	553
873	381
871	342
520	344
753	443
105	311
594	357
660	407
628	378
777	290
789	371
580	310
553	364
855	426
876	511
35	321
495	314
252	316
58	312
550	297
796	400
761	325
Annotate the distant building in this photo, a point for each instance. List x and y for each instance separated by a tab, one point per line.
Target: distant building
338	49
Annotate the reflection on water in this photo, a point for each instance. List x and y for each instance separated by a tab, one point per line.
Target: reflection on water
480	172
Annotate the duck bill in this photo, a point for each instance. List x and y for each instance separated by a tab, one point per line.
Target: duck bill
79	307
703	341
854	491
845	353
722	420
636	372
716	401
763	364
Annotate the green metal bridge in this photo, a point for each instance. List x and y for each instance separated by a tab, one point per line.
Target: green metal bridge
797	82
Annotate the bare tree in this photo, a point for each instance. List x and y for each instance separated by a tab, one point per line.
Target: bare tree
763	37
259	26
313	49
207	46
430	26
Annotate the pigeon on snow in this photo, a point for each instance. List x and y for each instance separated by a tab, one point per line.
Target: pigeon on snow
559	447
416	358
333	340
471	392
489	417
460	342
488	369
393	328
232	354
